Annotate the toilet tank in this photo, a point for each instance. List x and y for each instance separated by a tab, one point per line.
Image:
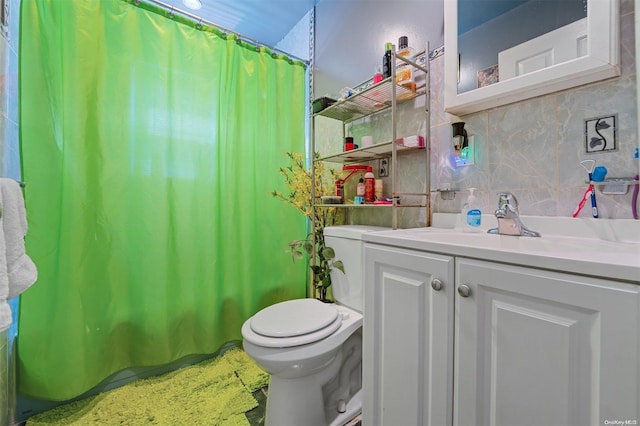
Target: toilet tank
347	243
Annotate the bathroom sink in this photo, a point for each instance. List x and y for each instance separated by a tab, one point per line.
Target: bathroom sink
546	244
596	249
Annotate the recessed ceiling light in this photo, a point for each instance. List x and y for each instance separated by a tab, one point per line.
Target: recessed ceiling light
192	4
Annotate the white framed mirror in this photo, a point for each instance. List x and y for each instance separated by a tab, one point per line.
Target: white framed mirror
569	43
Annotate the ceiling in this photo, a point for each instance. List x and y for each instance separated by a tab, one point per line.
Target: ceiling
268	21
264	21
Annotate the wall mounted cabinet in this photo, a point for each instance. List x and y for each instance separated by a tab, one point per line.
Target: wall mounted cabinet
595	55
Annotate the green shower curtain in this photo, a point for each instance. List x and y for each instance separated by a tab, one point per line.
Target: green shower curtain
150	147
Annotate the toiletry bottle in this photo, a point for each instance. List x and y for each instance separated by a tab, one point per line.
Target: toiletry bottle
471	214
404	49
340	190
404	73
369	186
360	191
377	76
348	143
378	189
386	61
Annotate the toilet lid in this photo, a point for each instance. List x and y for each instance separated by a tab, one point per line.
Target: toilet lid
295	318
287	342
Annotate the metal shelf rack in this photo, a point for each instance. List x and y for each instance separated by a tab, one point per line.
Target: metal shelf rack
370	99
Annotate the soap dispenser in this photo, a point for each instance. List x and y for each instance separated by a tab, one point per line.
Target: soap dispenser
471	214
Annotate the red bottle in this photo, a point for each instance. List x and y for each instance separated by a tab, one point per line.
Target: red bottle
340	189
369	186
377	77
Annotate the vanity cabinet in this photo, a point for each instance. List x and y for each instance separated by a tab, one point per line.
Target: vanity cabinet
407	359
451	340
535	347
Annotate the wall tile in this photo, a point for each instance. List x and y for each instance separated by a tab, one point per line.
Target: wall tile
438	116
626	6
521	146
627	45
617	96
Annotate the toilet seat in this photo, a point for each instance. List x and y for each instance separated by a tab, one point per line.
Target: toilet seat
292	323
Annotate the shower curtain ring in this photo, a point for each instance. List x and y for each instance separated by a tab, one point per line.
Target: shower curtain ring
171	14
199	24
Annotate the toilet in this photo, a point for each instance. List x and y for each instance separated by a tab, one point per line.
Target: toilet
313	350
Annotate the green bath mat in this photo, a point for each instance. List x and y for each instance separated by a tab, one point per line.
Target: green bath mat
213	392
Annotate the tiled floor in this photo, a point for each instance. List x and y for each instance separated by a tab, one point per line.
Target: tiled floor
257	415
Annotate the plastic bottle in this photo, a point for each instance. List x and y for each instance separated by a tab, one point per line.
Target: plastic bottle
471	214
386	61
377	76
340	190
403	47
360	191
378	189
404	73
369	186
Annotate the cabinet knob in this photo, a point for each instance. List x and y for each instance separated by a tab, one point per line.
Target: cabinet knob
436	284
464	291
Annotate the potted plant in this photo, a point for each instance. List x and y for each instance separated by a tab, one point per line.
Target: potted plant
299	180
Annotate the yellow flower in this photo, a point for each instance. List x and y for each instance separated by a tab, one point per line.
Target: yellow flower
299	180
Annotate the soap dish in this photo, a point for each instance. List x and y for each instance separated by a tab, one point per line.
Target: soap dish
615	186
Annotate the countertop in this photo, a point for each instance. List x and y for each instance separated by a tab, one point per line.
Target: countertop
603	248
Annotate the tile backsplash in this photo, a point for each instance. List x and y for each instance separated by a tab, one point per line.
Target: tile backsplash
531	148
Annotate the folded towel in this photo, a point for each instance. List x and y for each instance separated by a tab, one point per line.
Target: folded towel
21	271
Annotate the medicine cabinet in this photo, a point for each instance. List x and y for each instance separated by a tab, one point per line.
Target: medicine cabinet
581	50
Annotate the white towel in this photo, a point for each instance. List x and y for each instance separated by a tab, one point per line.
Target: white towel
5	315
20	269
5	310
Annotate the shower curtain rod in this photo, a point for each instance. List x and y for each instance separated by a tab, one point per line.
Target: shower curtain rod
200	20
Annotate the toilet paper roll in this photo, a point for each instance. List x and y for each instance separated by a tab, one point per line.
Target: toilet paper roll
366	141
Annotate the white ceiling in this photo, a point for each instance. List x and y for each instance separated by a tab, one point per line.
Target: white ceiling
264	21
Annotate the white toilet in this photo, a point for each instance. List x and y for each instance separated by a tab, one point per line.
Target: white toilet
313	350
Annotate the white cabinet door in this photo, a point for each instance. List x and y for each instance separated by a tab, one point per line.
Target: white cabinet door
408	337
536	347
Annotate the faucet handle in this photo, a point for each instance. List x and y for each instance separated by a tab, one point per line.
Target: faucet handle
507	199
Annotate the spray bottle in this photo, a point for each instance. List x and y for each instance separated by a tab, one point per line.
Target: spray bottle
471	214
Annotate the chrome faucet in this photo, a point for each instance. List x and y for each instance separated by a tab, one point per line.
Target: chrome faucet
509	222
